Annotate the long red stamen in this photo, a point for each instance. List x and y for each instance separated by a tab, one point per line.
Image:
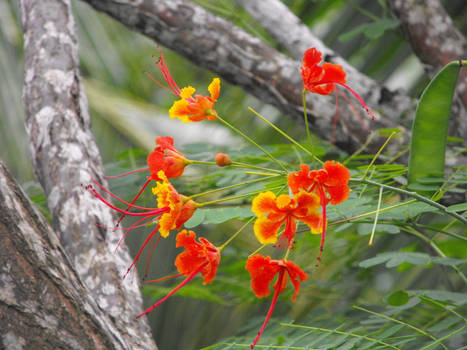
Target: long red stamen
355	110
165	72
162	86
357	96
271	308
118	198
148	213
128	173
185	281
336	115
151	251
164	278
323	232
152	234
134	199
128	229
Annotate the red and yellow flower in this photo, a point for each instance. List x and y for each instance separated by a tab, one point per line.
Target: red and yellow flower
262	271
320	79
181	208
273	212
194	109
329	183
167	158
189	108
200	257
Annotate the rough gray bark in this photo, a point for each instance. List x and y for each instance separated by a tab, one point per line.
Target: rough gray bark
65	156
216	44
436	41
43	303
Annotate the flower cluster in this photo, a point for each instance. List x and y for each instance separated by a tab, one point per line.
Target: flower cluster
277	215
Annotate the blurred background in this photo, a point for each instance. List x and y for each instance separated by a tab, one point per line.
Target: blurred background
129	111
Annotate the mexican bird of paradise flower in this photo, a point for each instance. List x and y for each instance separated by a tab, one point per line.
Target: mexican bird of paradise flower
262	271
200	257
273	212
322	79
329	183
165	157
188	108
181	208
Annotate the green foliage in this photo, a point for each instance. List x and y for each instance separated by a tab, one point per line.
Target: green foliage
430	125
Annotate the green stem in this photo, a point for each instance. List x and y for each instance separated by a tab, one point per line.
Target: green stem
237	165
361	149
435	247
232	198
371	212
305	116
376	216
230	187
285	135
258	250
226	123
340	332
231	238
418	330
377	155
447	336
413	195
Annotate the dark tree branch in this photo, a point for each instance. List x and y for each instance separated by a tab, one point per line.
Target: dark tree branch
65	156
43	303
242	59
436	41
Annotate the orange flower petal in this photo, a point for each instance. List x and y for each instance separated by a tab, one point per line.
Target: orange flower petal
333	73
263	203
311	57
214	88
296	276
266	230
299	179
338	194
338	174
262	271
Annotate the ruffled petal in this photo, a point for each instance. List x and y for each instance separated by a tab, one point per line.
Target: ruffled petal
263	203
187	92
262	271
296	276
266	230
333	73
299	179
311	57
338	194
214	89
338	174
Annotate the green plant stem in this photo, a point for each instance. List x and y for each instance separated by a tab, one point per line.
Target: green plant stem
418	330
371	212
340	332
447	336
285	135
231	186
361	149
413	195
414	232
305	116
258	250
237	165
233	128
442	306
221	200
377	155
376	216
231	238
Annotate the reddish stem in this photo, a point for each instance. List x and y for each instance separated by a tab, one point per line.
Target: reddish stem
323	232
148	213
135	225
185	281
134	200
357	96
164	278
271	308
118	198
151	251
152	234
355	109
335	116
128	173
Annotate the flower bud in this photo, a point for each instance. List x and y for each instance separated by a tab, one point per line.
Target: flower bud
222	159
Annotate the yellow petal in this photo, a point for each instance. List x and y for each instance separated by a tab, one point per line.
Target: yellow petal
214	88
187	92
264	203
